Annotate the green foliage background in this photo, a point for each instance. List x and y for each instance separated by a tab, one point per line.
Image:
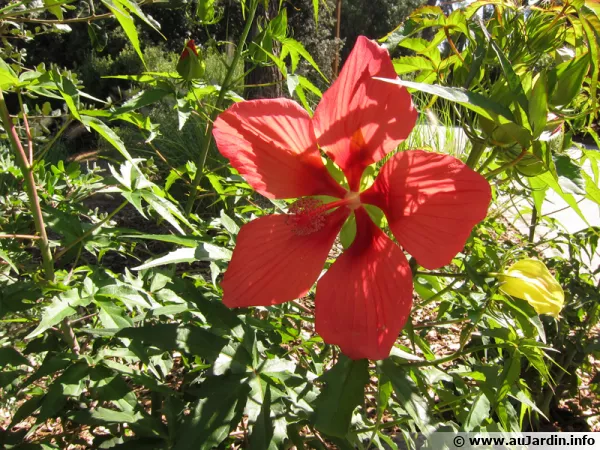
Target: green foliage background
115	231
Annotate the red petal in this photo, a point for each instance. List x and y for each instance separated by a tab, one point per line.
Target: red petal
272	264
364	299
272	144
432	202
359	120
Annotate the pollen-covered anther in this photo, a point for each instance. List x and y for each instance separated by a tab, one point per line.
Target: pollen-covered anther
307	216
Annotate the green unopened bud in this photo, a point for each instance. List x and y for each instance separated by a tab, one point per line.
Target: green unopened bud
191	64
531	280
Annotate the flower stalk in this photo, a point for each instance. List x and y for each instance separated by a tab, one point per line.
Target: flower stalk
475	155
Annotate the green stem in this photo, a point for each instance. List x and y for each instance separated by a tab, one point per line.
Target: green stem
49	145
34	200
471	327
488	160
506	166
217	106
533	223
91	230
441	274
434	297
475	155
456	355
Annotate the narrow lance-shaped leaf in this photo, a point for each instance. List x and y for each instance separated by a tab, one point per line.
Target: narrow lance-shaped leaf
568	78
538	105
514	83
344	391
407	394
475	102
127	23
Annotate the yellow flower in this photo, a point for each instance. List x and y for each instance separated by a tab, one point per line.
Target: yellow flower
530	280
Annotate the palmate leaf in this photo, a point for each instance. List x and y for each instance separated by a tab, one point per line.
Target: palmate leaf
407	394
62	306
269	428
218	410
295	49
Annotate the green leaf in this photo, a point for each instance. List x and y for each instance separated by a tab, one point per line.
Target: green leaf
229	224
107	133
384	393
54	7
538	191
591	189
514	82
409	396
212	418
205	11
203	252
133	7
537	359
409	64
98	36
344	391
549	180
140	422
145	98
269	430
165	209
8	77
173	336
186	241
125	293
9	355
509	376
568	78
69	93
479	411
315	4
538	106
295	49
69	384
589	21
4	257
52	363
569	175
471	100
126	22
112	316
52	315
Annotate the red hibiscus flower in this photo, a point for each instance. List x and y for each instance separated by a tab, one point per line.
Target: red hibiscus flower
431	202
